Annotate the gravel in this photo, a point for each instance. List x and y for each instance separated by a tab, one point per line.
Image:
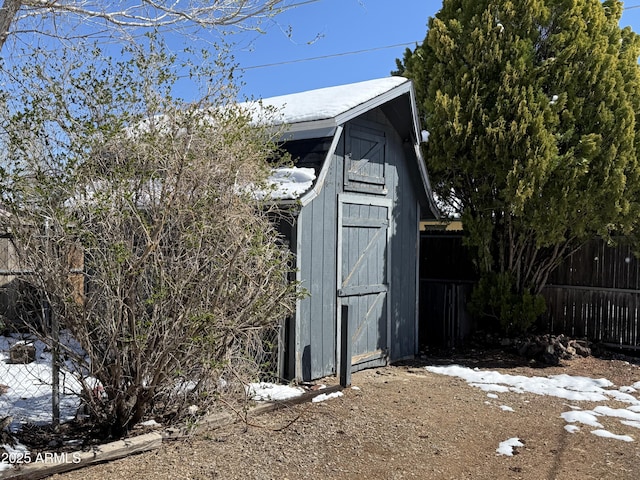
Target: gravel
405	422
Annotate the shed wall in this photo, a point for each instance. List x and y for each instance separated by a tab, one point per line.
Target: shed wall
403	246
316	334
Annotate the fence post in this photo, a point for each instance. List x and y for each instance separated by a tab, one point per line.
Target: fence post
345	350
51	321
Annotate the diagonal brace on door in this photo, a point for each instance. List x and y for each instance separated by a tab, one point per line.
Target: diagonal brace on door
358	263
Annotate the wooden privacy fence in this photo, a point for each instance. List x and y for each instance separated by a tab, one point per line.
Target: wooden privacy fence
594	294
446	280
444	319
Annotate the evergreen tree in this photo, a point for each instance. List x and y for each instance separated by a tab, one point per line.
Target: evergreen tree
532	107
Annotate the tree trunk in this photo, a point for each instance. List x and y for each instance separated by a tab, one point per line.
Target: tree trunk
8	13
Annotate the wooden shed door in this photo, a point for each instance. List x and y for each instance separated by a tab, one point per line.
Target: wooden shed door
364	166
363	239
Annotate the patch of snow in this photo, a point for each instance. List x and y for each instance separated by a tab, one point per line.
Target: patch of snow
572	428
186	386
18	451
506	447
193	409
488	387
573	388
506	408
326	396
28	398
617	413
149	423
607	434
584	417
286	184
589	417
355	388
264	391
622	396
492	395
147	194
631	423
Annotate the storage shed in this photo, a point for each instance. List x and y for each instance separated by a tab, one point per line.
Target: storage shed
354	226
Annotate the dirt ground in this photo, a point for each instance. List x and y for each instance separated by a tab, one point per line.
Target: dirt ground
405	422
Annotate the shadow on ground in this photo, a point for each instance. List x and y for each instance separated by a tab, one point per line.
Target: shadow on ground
502	358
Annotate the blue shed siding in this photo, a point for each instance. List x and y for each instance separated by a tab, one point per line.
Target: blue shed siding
403	245
404	260
317	264
317	335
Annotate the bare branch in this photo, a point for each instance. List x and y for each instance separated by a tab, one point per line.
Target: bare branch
126	16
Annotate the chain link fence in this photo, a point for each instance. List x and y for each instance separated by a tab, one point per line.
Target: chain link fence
269	356
37	387
25	379
27	374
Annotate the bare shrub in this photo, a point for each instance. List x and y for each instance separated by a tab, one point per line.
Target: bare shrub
144	239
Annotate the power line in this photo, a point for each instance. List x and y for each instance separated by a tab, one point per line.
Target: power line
353	52
332	55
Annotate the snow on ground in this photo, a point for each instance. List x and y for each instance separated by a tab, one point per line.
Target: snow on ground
572	388
507	447
272	392
586	418
608	434
326	396
28	398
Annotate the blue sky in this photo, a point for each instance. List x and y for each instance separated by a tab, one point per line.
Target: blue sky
333	28
326	28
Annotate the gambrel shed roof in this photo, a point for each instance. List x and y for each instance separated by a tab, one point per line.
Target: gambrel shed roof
320	113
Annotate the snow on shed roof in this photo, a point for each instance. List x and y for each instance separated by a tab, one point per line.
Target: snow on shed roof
324	107
319	113
330	102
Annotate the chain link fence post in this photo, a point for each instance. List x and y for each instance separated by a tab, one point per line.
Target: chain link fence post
51	321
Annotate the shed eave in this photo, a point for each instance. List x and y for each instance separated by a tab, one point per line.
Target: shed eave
311	129
422	166
374	102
